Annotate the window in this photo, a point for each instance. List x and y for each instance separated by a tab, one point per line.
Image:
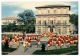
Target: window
44	11
39	22
54	11
39	11
64	22
51	21
64	30
48	11
59	31
64	11
39	31
58	22
44	22
58	11
44	29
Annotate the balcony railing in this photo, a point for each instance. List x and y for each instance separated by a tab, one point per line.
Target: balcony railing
55	24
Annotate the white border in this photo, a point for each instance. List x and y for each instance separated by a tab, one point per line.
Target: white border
39	0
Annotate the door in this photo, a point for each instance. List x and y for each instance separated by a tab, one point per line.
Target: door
51	29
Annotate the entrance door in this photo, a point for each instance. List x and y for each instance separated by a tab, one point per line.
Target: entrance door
51	29
59	31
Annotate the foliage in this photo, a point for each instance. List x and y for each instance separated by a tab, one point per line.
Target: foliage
76	53
43	48
8	49
26	16
74	20
9	35
25	22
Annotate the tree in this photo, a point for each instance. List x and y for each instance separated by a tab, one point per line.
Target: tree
4	28
74	20
12	25
26	16
26	20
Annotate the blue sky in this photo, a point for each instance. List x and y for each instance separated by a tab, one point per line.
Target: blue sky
14	8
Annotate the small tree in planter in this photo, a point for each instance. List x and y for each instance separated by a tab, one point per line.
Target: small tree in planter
6	46
43	48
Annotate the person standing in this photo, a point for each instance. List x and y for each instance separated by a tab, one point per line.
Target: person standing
23	35
38	42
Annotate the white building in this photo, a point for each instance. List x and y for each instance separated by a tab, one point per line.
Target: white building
7	20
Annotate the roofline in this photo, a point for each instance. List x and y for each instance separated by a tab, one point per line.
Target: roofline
52	6
8	19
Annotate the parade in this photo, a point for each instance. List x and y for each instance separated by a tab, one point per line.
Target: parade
58	41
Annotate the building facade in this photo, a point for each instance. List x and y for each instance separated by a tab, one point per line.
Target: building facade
8	20
52	18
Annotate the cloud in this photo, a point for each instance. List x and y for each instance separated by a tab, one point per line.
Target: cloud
75	10
74	5
71	12
16	11
32	5
17	7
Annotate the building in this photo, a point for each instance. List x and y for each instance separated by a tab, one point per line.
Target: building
53	18
8	20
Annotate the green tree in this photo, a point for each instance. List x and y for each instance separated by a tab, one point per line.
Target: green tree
4	28
11	26
26	20
74	20
26	16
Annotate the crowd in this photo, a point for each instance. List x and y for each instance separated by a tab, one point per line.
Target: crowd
59	40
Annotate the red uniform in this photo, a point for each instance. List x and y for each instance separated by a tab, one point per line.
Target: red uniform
48	42
37	40
57	36
62	42
57	43
15	39
3	38
29	41
68	42
54	39
59	39
8	41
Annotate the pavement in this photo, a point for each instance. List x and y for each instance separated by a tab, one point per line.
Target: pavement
20	51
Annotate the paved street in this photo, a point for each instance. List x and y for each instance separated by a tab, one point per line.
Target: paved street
19	51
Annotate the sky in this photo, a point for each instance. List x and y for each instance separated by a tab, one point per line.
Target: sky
9	9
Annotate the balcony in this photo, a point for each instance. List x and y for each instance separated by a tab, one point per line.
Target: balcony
55	24
51	14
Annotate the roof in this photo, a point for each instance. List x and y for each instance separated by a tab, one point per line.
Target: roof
51	6
10	18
